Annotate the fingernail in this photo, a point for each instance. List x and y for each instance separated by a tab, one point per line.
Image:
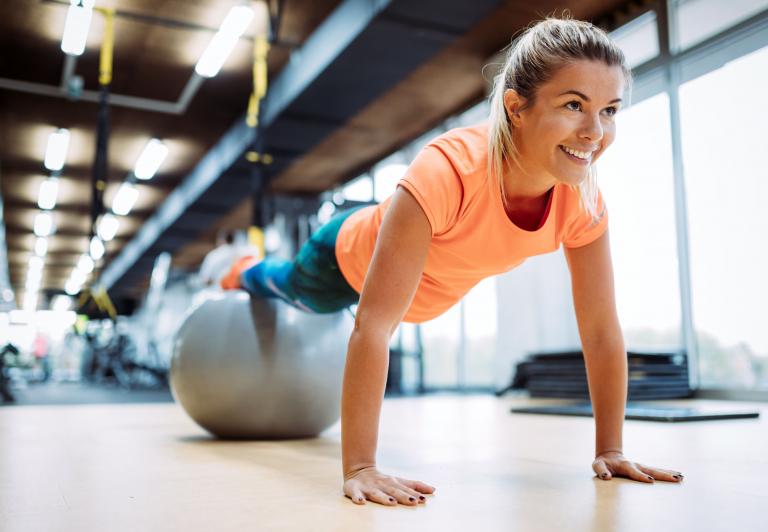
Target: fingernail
421	497
604	475
411	499
649	477
391	499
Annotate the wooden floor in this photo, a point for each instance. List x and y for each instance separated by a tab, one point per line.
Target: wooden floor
148	467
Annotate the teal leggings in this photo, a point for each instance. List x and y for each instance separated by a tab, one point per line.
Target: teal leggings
311	281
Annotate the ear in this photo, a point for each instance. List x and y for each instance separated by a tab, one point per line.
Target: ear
513	103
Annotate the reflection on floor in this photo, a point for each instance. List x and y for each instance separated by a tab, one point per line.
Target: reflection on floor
75	393
148	467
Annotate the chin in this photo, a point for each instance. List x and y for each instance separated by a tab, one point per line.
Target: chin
573	180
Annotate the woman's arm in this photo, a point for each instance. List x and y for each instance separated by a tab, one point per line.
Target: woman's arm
601	338
390	284
605	359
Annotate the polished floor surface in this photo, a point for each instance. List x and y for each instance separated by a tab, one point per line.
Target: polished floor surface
147	467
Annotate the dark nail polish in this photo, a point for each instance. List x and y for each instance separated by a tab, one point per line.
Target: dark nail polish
411	499
391	499
421	497
650	478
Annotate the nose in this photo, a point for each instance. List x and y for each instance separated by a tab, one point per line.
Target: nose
592	129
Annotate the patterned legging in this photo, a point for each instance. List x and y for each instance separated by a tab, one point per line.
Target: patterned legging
311	281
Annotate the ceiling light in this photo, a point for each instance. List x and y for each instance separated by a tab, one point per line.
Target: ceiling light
222	44
35	263
107	227
56	151
150	159
32	284
43	223
49	189
72	287
124	199
34	277
76	27
30	301
41	246
78	276
85	263
96	248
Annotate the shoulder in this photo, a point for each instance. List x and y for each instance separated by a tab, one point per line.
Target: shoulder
466	148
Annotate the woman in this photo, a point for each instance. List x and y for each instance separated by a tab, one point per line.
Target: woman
476	202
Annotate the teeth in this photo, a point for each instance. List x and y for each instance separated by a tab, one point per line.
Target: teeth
580	154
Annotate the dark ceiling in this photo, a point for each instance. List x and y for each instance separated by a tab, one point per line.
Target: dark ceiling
157	44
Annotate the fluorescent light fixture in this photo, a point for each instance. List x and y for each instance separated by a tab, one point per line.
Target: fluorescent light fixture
150	159
43	223
35	263
76	27
49	190
41	246
107	227
61	303
78	276
56	151
30	301
72	287
222	44
85	263
124	199
96	248
34	277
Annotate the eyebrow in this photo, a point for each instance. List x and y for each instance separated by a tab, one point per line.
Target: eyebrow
584	96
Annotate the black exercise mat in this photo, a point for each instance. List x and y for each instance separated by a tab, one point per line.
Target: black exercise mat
639	412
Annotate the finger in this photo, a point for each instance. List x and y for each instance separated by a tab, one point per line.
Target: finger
417	485
661	474
634	473
601	470
356	495
413	493
402	496
376	495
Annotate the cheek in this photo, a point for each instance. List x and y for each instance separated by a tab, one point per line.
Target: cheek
609	135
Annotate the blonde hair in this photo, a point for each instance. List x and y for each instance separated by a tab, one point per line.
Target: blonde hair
532	59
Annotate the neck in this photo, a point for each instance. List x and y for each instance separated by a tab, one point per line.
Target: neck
526	187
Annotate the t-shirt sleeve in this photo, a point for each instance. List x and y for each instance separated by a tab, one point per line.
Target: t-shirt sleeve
583	229
437	187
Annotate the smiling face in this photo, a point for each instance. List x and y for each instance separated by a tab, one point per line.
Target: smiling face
570	123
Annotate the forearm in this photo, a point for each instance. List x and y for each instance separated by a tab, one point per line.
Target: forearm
365	377
607	375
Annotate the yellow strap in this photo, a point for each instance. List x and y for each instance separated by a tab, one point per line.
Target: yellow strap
256	238
107	45
260	52
105	303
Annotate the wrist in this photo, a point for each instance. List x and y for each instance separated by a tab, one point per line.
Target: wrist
353	470
610	450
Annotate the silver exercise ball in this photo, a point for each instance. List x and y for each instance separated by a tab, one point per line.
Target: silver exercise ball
258	368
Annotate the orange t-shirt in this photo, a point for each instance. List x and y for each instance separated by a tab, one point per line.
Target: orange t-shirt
472	236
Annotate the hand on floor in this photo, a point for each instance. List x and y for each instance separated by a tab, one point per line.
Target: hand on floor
613	463
369	483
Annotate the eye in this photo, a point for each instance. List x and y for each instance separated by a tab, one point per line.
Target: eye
611	111
574	102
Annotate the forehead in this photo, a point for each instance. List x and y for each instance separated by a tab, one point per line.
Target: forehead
593	78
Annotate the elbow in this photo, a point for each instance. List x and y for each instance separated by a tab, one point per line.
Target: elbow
373	326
